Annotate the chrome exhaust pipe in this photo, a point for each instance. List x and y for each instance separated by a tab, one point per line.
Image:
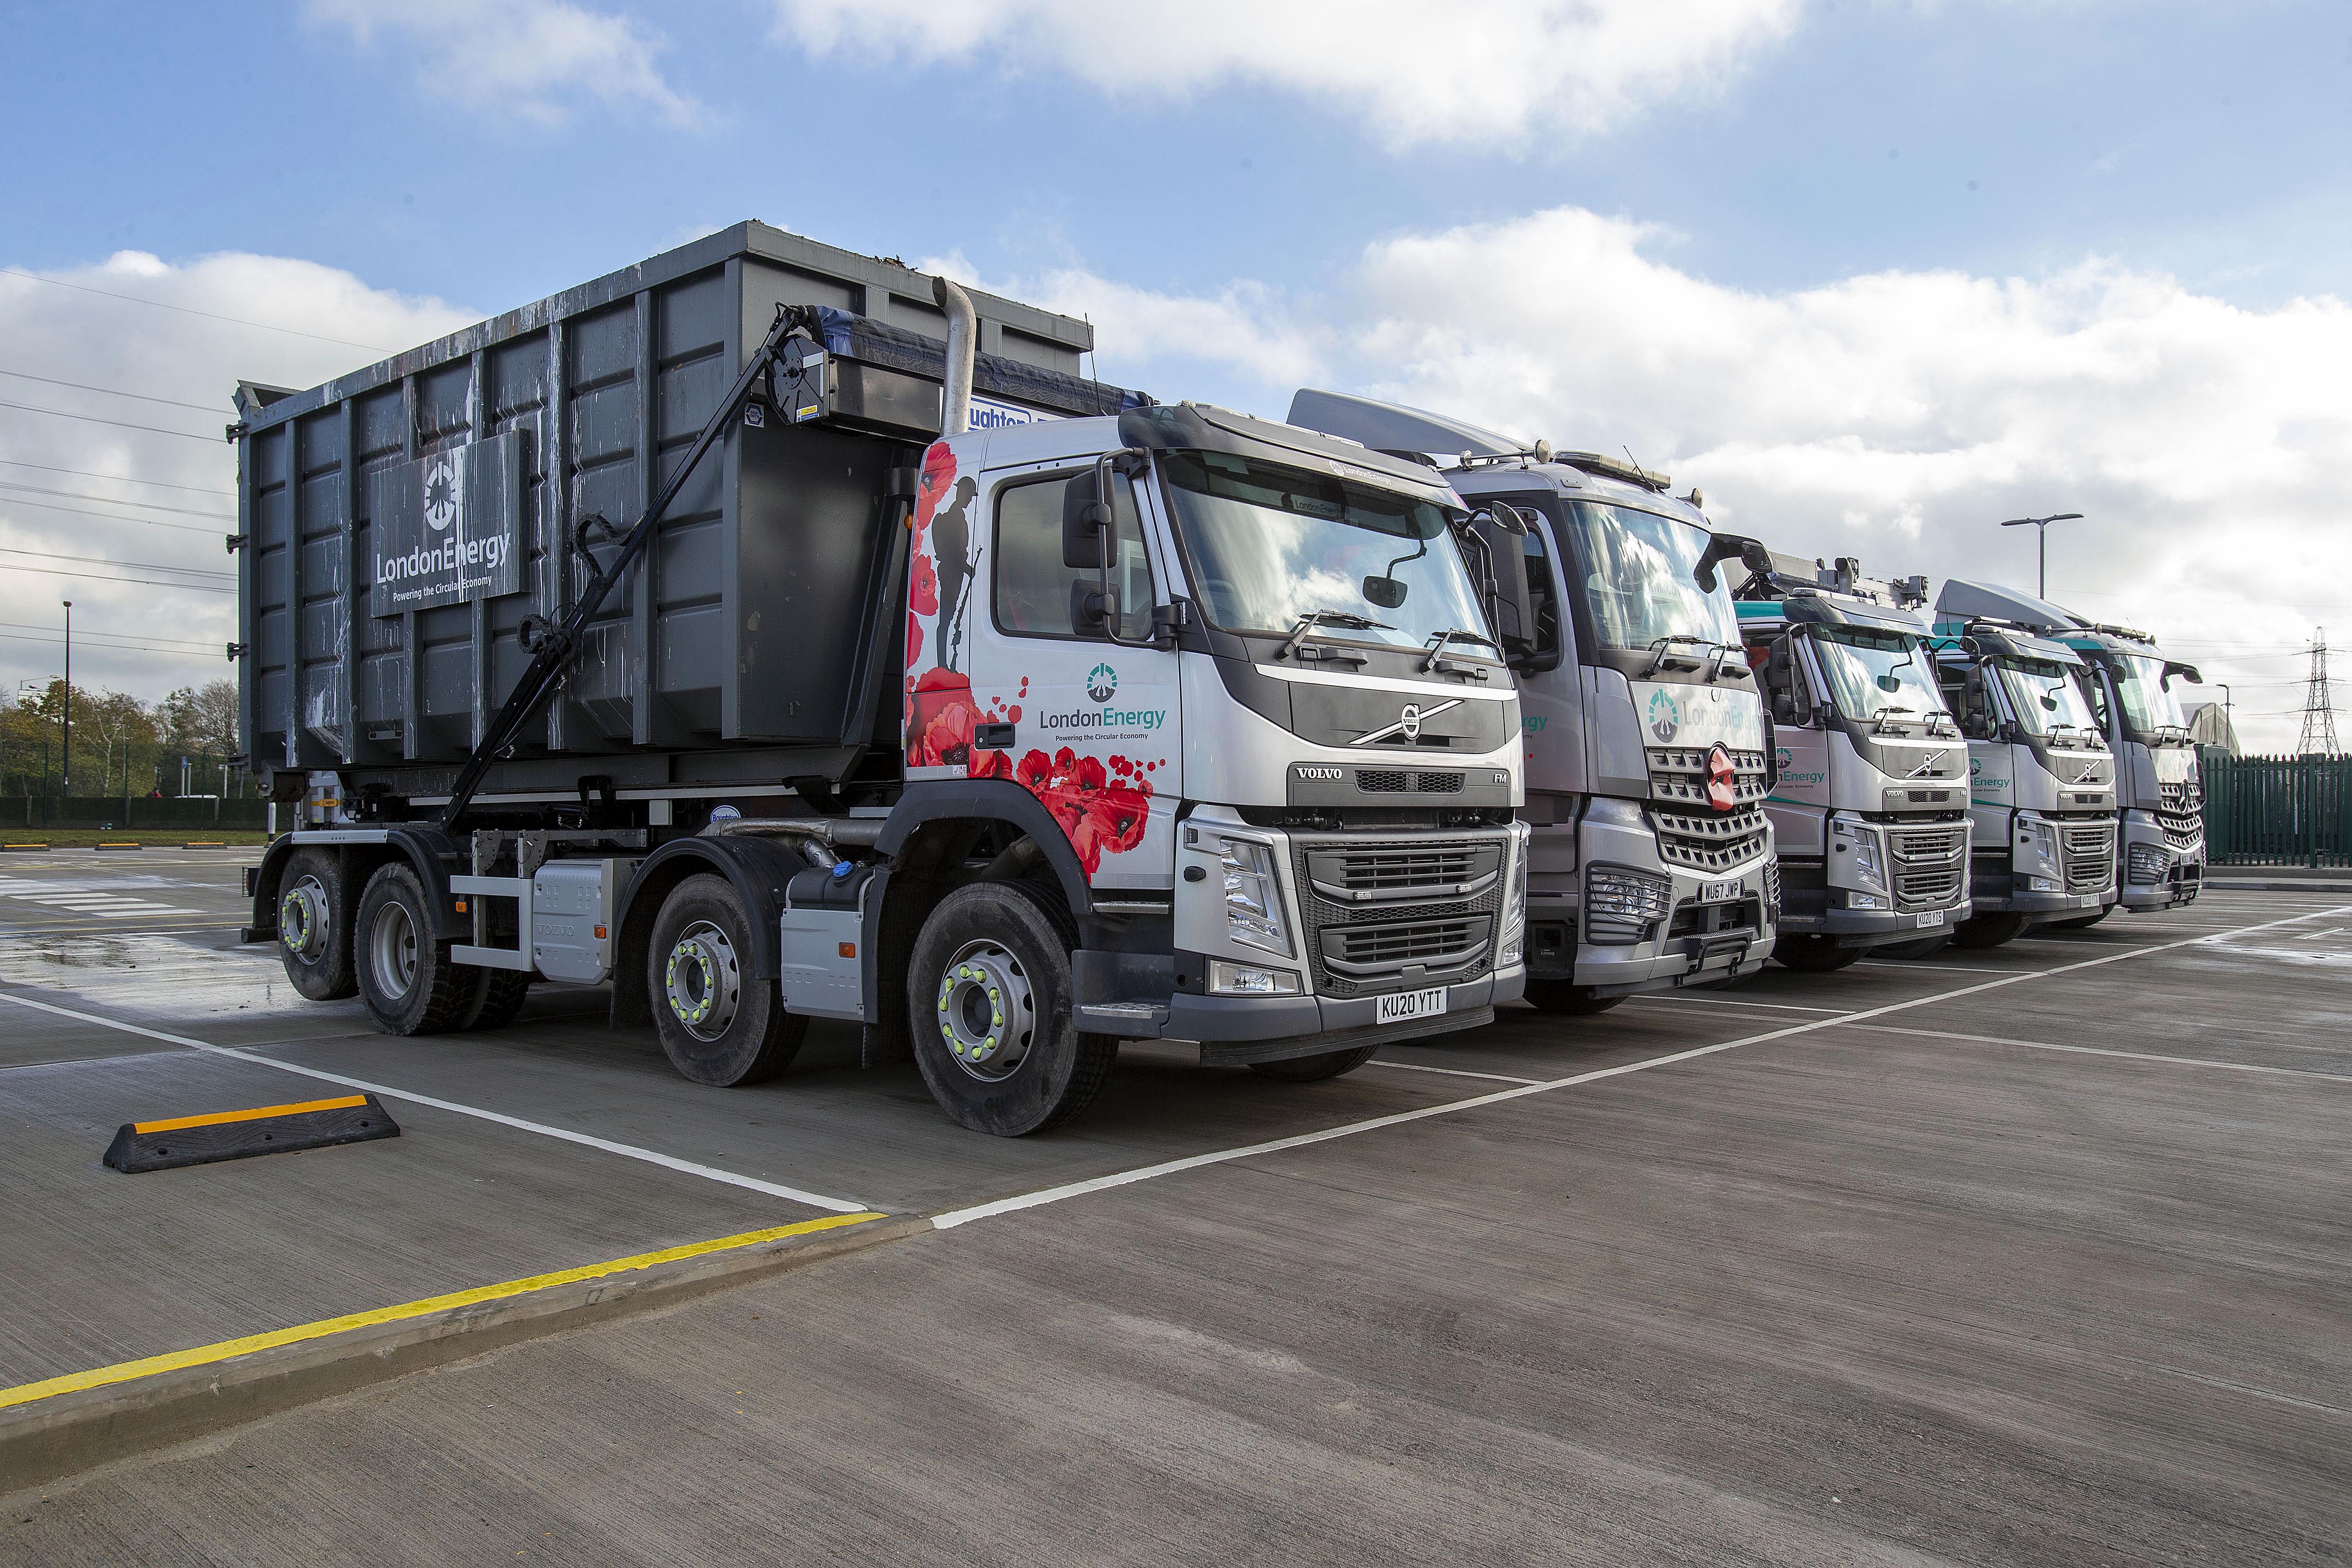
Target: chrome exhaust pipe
963	343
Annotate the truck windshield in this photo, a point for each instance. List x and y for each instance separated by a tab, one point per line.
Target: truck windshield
1861	663
1267	544
1637	579
2045	696
2148	707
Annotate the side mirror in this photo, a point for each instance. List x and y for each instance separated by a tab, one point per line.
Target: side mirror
1092	608
1888	683
2187	671
1791	703
1748	552
1385	591
1510	599
1086	520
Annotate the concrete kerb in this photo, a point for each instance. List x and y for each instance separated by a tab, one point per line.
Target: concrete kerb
69	1433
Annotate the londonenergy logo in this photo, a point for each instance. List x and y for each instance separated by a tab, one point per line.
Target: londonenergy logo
423	562
1107	719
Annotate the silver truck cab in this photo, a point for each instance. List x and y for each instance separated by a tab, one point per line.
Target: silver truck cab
1869	794
2160	788
2041	779
1650	860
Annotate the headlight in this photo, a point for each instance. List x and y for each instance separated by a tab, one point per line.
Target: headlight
1513	947
2037	850
1621	906
1253	898
1866	857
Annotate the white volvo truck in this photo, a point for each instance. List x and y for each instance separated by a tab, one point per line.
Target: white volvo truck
1869	789
2042	788
1653	863
1101	720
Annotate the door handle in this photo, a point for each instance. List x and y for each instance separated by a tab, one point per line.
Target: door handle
993	737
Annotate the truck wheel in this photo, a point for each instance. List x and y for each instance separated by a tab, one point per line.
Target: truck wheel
499	998
314	926
988	992
1314	1070
1926	947
717	1024
1813	954
408	981
1571	1001
1987	930
2079	922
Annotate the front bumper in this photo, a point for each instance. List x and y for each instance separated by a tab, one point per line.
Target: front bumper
1868	928
1234	1029
2183	867
1667	958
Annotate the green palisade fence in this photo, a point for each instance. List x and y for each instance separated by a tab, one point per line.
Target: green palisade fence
2277	811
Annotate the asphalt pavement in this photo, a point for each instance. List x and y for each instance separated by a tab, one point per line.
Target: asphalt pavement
2027	1256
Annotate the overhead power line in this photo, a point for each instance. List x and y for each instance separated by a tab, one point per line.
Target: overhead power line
105	561
100	577
143	398
118	478
117	501
190	310
124	423
113	516
121	647
146	642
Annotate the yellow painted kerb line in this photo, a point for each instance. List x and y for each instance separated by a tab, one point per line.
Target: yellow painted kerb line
176	1360
255	1114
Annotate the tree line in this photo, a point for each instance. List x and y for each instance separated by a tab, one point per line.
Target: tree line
121	745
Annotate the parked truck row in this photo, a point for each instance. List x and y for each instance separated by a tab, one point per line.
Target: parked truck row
770	634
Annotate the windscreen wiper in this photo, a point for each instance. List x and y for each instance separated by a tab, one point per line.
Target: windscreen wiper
1453	634
1878	720
1661	646
1313	618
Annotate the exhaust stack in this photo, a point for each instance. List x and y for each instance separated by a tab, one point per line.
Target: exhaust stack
964	335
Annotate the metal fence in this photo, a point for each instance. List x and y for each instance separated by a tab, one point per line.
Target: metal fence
140	811
2277	811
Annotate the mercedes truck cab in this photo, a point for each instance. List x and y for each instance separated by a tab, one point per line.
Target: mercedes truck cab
2159	789
1870	796
1651	857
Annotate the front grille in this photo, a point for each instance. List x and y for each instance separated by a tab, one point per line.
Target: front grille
1397	875
1928	873
2185	798
1398	781
2090	855
1384	952
1679	774
2183	833
1374	909
1710	843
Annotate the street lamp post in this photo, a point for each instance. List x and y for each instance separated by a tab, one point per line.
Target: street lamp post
2042	546
65	758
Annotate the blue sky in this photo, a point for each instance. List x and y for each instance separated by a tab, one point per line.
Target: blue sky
1875	273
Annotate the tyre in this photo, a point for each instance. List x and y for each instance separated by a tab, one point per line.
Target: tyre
1573	1001
405	977
1926	947
498	999
988	992
1987	931
1314	1069
314	926
1814	954
717	1024
2079	922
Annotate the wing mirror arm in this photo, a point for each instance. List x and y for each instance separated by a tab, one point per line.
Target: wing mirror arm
1750	553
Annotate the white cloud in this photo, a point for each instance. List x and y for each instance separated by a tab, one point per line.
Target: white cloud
1898	415
531	60
50	464
1494	73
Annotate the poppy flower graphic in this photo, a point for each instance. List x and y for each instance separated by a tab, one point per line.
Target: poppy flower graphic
923	585
938	476
1099	817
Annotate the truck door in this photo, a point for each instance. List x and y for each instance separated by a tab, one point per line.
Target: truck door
1086	724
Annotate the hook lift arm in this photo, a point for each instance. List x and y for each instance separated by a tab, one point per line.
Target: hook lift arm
554	645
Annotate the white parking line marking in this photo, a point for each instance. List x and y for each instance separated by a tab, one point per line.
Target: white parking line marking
1721	1002
2105	1051
2314	936
1950	968
626	1151
1044	1196
1451	1072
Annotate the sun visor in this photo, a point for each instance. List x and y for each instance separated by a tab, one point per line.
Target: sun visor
1393	428
1965	601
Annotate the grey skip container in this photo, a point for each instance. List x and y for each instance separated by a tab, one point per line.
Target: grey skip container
728	657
